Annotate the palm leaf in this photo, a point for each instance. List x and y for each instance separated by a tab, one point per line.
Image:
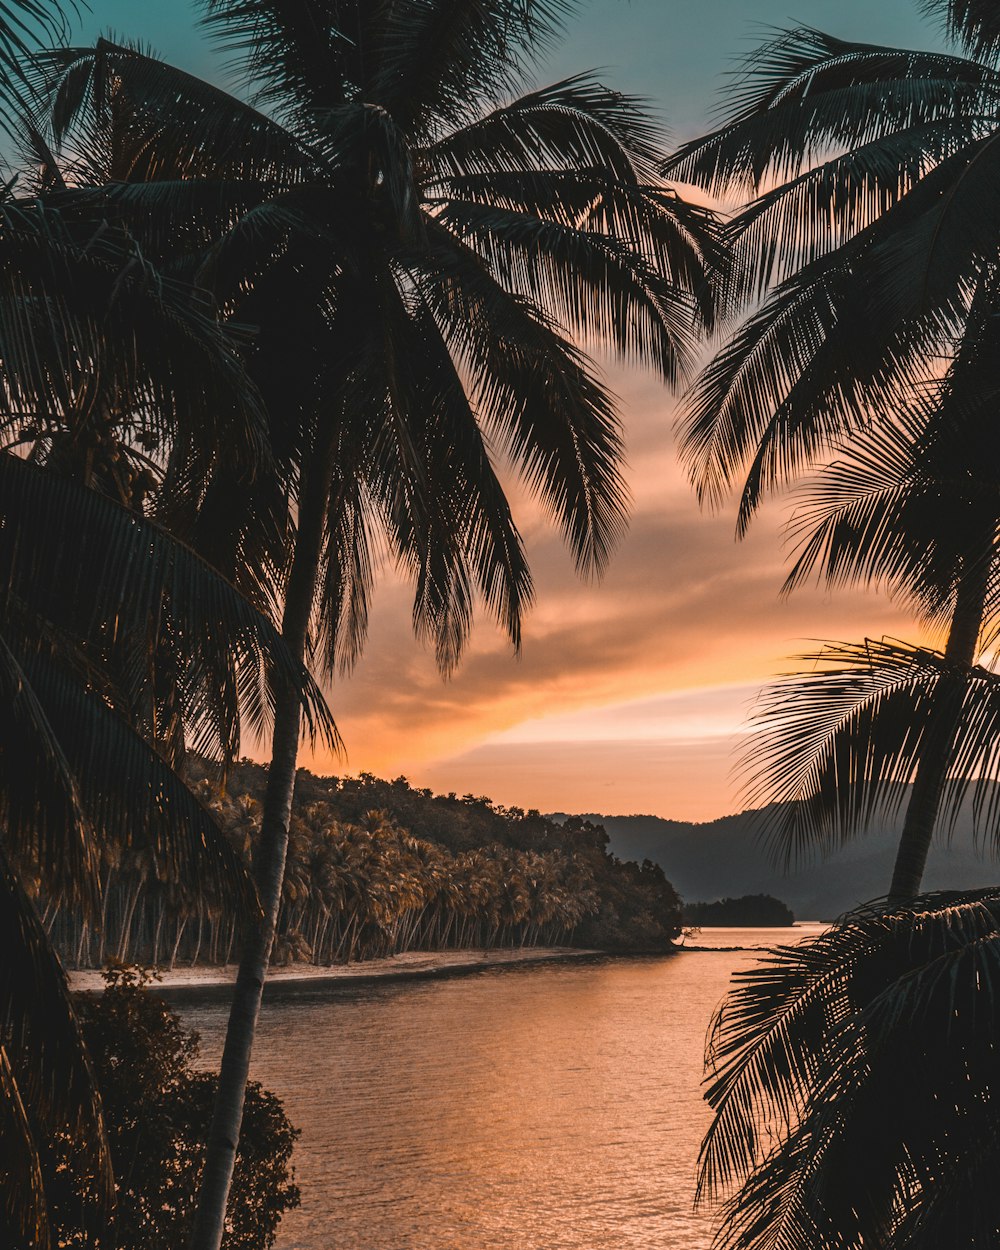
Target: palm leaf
180	125
571	124
87	565
804	94
972	23
434	58
851	1079
534	393
23	25
836	747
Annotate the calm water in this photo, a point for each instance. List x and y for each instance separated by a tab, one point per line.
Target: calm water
555	1107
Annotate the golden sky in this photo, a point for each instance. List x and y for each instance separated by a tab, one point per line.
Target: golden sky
629	693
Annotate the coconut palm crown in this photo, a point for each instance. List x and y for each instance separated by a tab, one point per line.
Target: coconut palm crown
852	1080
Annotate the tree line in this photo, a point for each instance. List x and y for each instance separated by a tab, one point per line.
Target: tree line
365	888
758	910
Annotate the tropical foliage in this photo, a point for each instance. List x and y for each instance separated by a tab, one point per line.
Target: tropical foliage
360	886
851	1076
424	251
866	162
157	1108
910	505
118	645
853	1083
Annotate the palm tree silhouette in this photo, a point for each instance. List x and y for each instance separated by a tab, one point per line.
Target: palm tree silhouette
420	255
861	221
872	170
98	606
852	1082
913	506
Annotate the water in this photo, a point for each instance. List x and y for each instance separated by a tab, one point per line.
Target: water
554	1107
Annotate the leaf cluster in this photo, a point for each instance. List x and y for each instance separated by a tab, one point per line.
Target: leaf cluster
852	1080
157	1109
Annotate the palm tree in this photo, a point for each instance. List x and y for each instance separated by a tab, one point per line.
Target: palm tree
852	1080
75	775
417	252
105	624
877	156
873	170
914	506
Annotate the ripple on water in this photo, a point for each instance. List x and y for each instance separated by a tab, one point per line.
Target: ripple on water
549	1107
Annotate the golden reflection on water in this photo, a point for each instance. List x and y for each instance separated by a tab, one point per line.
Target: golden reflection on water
555	1107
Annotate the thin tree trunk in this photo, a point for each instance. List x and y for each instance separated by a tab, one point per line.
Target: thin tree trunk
269	867
944	722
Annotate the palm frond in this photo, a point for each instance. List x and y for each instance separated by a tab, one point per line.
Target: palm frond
822	207
571	124
851	1077
535	394
24	25
178	124
87	565
86	324
823	354
593	285
433	59
683	241
24	1215
935	253
458	535
805	94
836	747
128	796
973	24
45	819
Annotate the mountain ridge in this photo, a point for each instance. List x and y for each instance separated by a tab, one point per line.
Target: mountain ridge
709	860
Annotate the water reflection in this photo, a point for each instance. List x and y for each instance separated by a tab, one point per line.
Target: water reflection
555	1107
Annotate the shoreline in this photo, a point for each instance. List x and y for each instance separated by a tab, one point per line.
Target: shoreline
211	983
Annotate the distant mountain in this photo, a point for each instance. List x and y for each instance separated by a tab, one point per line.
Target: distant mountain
724	857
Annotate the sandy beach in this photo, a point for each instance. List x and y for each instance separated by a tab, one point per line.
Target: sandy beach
209	982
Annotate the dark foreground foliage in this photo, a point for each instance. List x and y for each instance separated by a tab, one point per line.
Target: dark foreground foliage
378	868
749	910
157	1109
854	1080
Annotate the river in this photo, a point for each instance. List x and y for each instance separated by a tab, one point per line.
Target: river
553	1107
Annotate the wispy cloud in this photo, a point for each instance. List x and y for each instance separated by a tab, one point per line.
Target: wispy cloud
641	679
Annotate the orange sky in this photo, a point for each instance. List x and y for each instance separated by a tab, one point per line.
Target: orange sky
629	693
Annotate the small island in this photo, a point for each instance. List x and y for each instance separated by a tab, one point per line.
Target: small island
757	911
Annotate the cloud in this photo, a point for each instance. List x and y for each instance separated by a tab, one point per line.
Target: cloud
683	613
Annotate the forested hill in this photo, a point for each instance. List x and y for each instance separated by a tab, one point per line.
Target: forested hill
378	868
725	857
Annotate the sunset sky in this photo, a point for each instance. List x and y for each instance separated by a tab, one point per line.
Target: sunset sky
629	693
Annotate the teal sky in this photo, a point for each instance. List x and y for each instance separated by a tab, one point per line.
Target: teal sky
675	52
629	695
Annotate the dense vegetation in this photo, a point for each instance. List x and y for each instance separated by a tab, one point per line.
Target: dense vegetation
751	910
297	335
157	1109
378	868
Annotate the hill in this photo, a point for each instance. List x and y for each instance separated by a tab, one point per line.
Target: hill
724	857
378	868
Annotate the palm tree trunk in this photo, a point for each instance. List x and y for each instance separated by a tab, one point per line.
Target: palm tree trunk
269	867
945	718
